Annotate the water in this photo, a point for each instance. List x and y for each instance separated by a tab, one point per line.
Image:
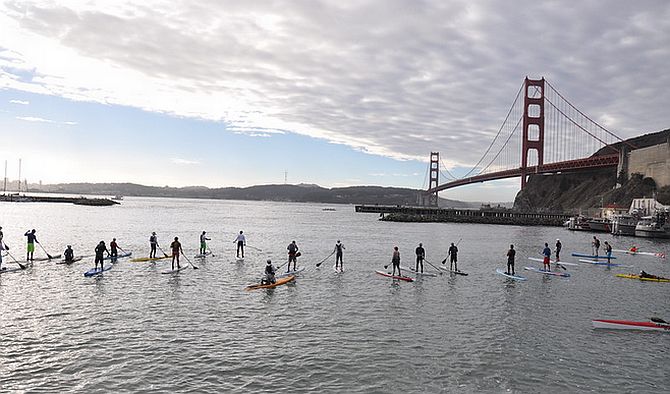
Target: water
133	329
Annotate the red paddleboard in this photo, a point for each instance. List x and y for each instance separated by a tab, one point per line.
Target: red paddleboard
630	325
405	278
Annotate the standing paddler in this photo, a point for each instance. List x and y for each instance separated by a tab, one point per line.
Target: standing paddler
453	254
595	246
608	252
338	255
203	242
176	250
241	243
292	255
32	238
395	260
113	246
510	260
153	242
559	246
547	258
2	246
99	254
420	256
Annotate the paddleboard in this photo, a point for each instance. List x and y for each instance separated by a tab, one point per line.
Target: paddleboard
55	256
389	275
458	272
70	262
290	273
603	263
416	272
591	256
635	276
553	261
659	255
6	270
279	282
174	271
630	325
93	271
237	261
119	256
515	277
201	255
337	269
143	259
541	271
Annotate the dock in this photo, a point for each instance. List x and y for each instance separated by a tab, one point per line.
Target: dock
398	213
96	202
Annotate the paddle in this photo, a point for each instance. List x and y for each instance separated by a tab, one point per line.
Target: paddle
189	261
438	270
296	255
322	261
161	249
249	246
16	261
210	251
457	242
48	255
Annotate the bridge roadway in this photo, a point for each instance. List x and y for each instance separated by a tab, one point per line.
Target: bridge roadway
611	160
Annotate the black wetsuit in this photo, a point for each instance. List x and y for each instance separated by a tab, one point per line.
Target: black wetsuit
270	274
453	253
99	253
153	240
420	256
292	251
68	255
510	261
558	250
338	254
112	247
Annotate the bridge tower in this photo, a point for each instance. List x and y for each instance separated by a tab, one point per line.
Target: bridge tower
434	178
533	124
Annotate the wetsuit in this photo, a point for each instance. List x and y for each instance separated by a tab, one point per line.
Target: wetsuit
596	246
241	241
547	258
153	241
510	261
32	238
203	243
68	255
396	261
608	252
112	249
453	253
99	253
2	247
338	254
176	248
420	256
269	274
559	245
292	251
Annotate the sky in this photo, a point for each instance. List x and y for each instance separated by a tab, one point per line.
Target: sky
335	93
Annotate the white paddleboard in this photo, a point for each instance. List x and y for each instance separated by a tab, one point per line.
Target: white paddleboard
515	277
552	261
416	272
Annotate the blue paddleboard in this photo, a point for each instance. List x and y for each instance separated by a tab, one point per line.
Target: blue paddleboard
590	256
94	271
515	277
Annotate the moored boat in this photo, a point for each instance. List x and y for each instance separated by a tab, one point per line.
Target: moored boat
623	224
600	224
657	226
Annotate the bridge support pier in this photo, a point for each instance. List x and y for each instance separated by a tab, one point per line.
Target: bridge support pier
533	125
434	178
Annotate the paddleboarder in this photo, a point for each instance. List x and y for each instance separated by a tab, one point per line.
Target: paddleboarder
241	241
453	254
113	246
608	252
68	254
595	245
292	255
32	238
176	250
99	254
3	246
153	242
510	260
395	260
633	249
203	242
269	274
338	254
547	258
559	246
420	256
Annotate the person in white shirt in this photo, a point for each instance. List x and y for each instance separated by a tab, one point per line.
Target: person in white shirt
203	243
241	242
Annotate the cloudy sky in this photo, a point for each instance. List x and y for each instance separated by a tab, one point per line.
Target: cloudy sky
236	93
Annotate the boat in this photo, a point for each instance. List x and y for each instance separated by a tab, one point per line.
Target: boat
623	224
78	258
515	277
590	256
553	273
657	226
142	259
279	282
328	209
390	275
631	325
594	262
579	223
98	271
119	256
417	272
600	224
553	261
118	197
636	276
291	273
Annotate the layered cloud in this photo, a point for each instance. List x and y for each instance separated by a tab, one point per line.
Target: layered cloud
392	78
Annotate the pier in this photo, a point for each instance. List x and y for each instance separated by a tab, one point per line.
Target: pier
97	202
397	213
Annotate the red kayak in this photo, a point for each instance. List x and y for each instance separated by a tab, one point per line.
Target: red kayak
630	325
405	278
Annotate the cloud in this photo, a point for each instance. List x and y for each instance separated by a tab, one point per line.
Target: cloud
391	78
43	120
180	161
21	102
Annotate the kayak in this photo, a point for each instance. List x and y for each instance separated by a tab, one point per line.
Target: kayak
70	262
289	273
603	263
515	277
174	271
591	256
635	276
142	259
201	255
552	261
98	271
279	282
120	256
389	275
657	254
417	272
541	271
630	325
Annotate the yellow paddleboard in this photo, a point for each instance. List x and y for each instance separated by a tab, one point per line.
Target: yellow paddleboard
634	276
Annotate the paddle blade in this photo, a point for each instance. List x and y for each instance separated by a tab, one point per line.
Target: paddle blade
658	320
444	261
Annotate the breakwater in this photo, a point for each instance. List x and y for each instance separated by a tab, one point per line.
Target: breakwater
484	216
72	200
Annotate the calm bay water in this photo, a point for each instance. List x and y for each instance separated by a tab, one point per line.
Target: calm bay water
133	329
